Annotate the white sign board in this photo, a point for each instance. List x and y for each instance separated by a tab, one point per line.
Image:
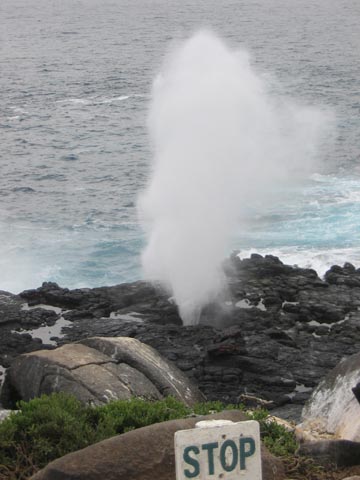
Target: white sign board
226	451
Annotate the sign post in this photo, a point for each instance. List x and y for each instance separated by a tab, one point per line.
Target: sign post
219	449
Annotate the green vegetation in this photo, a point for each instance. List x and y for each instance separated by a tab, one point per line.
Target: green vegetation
51	426
276	438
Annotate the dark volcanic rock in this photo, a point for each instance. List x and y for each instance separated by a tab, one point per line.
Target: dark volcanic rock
100	302
10	305
275	333
341	453
346	275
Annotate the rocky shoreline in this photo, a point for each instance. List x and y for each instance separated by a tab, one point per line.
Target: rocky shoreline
275	334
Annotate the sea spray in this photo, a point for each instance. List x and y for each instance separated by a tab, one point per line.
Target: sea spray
220	142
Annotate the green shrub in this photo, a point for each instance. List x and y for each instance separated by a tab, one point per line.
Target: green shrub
276	438
209	407
51	426
122	415
45	428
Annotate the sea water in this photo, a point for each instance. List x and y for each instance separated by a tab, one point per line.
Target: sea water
75	86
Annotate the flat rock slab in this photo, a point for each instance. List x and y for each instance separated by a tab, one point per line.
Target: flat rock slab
143	454
103	370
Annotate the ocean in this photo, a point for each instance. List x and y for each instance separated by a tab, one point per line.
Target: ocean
75	86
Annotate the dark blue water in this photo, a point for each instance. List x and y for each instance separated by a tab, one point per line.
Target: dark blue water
75	81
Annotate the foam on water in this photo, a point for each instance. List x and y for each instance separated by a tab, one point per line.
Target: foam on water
89	249
74	156
316	228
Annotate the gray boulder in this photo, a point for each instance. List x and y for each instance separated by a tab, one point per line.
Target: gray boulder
143	454
333	410
4	414
167	378
99	372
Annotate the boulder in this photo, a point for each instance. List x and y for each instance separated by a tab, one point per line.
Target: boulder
4	414
167	378
143	454
97	377
333	411
341	453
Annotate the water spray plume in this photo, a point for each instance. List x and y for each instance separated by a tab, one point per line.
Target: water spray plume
220	142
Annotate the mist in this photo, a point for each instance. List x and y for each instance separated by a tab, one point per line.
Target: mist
220	141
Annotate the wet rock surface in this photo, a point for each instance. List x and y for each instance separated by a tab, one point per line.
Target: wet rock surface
275	334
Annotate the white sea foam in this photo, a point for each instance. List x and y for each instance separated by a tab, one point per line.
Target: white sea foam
221	142
115	99
81	101
19	110
99	100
